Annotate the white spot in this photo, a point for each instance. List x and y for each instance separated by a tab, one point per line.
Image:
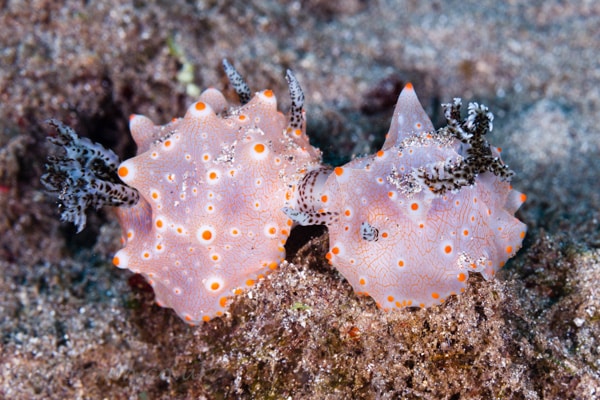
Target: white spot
206	234
214	284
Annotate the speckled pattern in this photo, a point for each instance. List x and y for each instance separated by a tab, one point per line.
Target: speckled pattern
396	240
212	184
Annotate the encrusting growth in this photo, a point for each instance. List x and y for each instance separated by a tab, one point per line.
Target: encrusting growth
209	200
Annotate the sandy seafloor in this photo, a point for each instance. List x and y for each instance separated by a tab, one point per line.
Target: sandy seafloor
73	326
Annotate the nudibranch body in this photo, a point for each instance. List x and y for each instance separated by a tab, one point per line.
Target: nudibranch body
209	200
212	185
407	224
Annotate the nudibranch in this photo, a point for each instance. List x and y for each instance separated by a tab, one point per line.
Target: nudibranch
408	224
212	185
200	204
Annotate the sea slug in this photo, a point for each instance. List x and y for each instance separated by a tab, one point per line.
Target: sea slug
407	224
209	200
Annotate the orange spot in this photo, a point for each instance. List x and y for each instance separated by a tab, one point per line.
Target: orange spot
362	281
273	266
215	257
179	230
522	235
338	171
146	255
259	147
159	223
347	213
212	175
421	226
223	301
188	318
462	277
390	194
215	286
200	106
390	298
414	206
523	197
380	153
123	171
272	231
167	143
509	249
448	249
250	282
324	199
206	157
159	247
297	132
335	250
207	235
242	117
130	235
154	195
268	93
289	222
206	318
384	235
328	256
408	86
116	260
238	291
132	116
466	232
435	295
401	263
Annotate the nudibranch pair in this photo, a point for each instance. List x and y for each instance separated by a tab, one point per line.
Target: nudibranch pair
209	200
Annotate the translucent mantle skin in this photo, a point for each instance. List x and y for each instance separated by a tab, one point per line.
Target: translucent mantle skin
212	186
407	243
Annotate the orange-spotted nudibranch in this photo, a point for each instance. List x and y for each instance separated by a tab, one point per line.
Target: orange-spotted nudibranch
408	224
212	185
209	200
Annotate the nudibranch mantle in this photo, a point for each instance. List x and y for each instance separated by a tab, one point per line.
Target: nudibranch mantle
407	224
212	185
